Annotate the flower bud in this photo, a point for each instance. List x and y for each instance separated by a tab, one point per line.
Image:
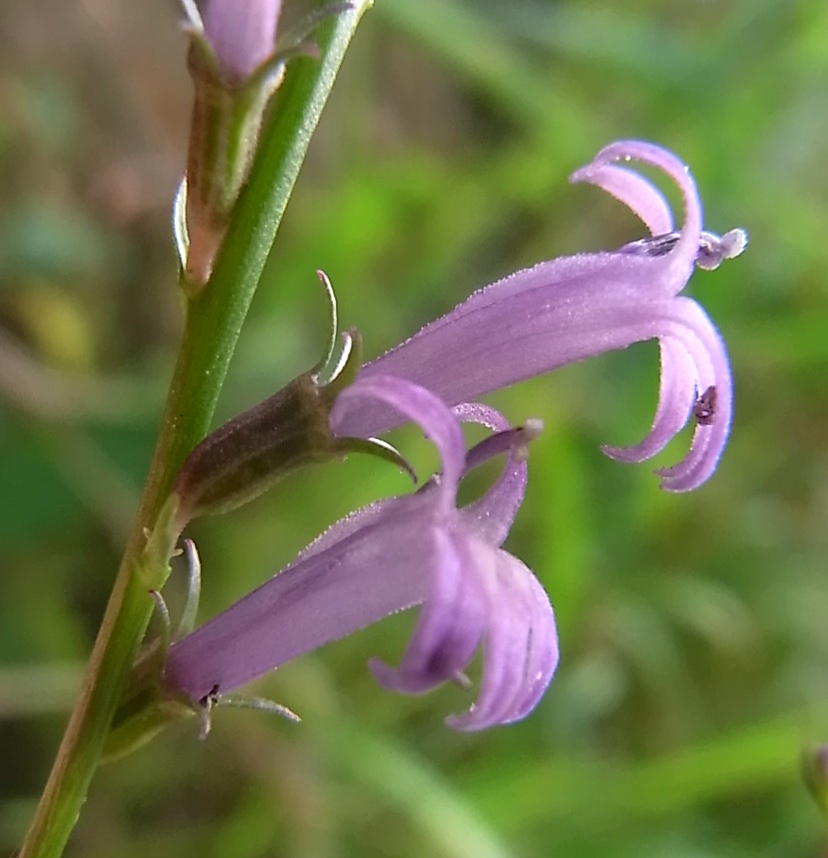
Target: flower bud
235	72
237	66
242	34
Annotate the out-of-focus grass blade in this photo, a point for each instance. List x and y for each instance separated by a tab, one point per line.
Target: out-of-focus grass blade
758	756
474	45
611	37
38	688
418	791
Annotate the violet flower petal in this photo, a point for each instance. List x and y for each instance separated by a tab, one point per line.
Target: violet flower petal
354	583
521	628
520	641
676	398
491	516
576	307
683	256
416	403
394	555
713	370
632	189
521	650
542	656
449	629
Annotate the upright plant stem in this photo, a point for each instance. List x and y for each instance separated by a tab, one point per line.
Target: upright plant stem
214	321
123	624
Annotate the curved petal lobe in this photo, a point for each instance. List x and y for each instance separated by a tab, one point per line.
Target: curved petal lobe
449	629
520	648
678	385
683	256
631	188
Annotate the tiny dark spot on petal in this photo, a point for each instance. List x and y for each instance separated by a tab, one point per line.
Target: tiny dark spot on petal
704	408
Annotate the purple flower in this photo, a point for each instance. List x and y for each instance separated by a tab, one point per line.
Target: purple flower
242	34
579	306
393	555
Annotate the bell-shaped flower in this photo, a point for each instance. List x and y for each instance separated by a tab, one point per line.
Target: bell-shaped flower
396	554
579	306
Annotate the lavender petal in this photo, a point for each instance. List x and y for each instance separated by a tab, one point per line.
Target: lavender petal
519	629
358	581
449	629
632	189
678	380
683	256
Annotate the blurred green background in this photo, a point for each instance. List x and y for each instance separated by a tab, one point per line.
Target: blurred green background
694	628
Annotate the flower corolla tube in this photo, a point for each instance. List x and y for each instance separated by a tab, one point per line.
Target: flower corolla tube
399	553
581	306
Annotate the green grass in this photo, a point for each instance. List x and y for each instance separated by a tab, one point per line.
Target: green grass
694	628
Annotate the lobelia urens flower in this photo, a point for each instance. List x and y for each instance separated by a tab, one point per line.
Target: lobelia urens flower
579	306
393	555
421	549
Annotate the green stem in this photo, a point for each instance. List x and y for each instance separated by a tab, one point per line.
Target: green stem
213	324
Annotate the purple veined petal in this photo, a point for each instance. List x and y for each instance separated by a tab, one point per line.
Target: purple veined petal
485	415
528	324
573	308
449	629
491	516
514	638
384	510
242	33
680	320
415	403
532	333
631	188
683	256
508	643
714	370
684	321
676	397
530	336
358	581
566	279
542	658
539	659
